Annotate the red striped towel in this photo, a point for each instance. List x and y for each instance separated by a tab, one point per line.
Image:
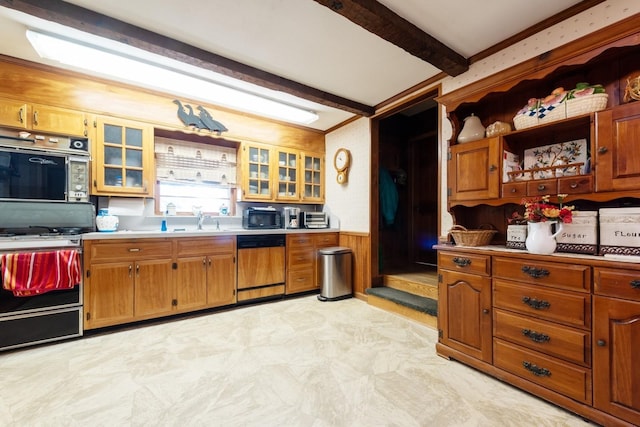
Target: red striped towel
33	273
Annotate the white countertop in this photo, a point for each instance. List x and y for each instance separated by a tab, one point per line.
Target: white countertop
207	232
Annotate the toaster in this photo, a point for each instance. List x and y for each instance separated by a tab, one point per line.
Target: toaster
314	220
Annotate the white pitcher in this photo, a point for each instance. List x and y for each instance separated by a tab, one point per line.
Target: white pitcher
540	240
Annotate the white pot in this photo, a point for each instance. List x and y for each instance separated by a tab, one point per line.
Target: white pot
540	240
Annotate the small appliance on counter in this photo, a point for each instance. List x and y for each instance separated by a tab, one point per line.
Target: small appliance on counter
314	220
258	217
290	217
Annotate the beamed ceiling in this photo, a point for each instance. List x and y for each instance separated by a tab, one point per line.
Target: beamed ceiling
339	57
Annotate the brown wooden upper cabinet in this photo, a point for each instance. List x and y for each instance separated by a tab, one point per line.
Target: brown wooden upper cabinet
474	170
123	158
42	118
617	156
280	174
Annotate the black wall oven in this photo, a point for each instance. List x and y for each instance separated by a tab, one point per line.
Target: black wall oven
36	169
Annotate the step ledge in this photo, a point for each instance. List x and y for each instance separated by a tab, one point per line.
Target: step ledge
415	302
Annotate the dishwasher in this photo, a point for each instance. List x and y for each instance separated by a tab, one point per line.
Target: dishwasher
261	266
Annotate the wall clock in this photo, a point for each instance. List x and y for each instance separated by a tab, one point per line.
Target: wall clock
342	161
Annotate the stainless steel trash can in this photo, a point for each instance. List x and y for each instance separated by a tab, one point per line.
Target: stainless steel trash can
335	273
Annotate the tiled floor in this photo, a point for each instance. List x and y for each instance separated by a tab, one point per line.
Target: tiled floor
298	362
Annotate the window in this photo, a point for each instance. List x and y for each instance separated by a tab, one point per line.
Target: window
194	176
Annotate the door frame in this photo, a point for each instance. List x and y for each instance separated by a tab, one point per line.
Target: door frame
431	93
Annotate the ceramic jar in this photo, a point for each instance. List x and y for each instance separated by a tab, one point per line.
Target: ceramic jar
540	240
472	130
106	222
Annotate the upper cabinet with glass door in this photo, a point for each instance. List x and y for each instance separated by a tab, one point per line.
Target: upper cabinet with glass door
313	178
256	182
123	155
287	180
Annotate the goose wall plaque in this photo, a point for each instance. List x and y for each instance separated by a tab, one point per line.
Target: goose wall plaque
201	121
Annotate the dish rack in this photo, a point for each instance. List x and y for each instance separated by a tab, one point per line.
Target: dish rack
546	172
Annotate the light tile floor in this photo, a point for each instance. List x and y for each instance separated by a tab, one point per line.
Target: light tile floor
298	362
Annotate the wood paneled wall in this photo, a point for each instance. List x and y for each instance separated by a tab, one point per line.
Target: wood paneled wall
35	83
360	244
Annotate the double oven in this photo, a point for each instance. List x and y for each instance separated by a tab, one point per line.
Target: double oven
44	209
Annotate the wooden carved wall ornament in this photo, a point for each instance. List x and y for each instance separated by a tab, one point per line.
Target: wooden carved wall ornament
202	120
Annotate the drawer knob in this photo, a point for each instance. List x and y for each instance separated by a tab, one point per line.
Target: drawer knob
461	261
573	185
536	304
485	311
602	150
635	284
601	343
535	336
535	272
536	370
541	187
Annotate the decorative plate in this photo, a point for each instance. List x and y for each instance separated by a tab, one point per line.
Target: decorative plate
556	155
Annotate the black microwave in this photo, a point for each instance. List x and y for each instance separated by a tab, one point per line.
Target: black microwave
261	218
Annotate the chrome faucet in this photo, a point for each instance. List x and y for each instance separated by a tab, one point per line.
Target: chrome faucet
200	217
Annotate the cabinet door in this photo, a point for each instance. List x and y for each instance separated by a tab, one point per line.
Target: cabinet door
108	297
221	280
256	166
474	170
464	304
124	158
312	178
616	377
13	113
153	294
617	163
191	283
287	178
58	120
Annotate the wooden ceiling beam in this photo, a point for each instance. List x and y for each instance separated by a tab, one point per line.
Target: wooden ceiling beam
95	23
383	22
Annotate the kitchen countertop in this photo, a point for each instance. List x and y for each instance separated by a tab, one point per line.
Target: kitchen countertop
146	234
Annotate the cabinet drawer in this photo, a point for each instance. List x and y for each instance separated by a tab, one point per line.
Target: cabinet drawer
464	262
542	187
514	189
617	283
562	377
300	258
129	250
299	240
205	245
300	281
575	184
569	276
326	239
566	343
570	308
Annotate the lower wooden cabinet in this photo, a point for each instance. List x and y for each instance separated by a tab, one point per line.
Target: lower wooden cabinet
131	280
206	272
126	280
464	304
566	329
616	337
302	260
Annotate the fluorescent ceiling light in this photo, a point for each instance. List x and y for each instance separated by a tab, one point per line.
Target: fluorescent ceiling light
136	70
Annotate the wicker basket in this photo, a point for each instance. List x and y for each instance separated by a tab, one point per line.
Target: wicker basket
586	104
464	237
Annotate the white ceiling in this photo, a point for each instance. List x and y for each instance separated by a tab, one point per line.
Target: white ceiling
308	43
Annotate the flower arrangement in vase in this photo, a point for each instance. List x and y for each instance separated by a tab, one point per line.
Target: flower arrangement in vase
540	214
